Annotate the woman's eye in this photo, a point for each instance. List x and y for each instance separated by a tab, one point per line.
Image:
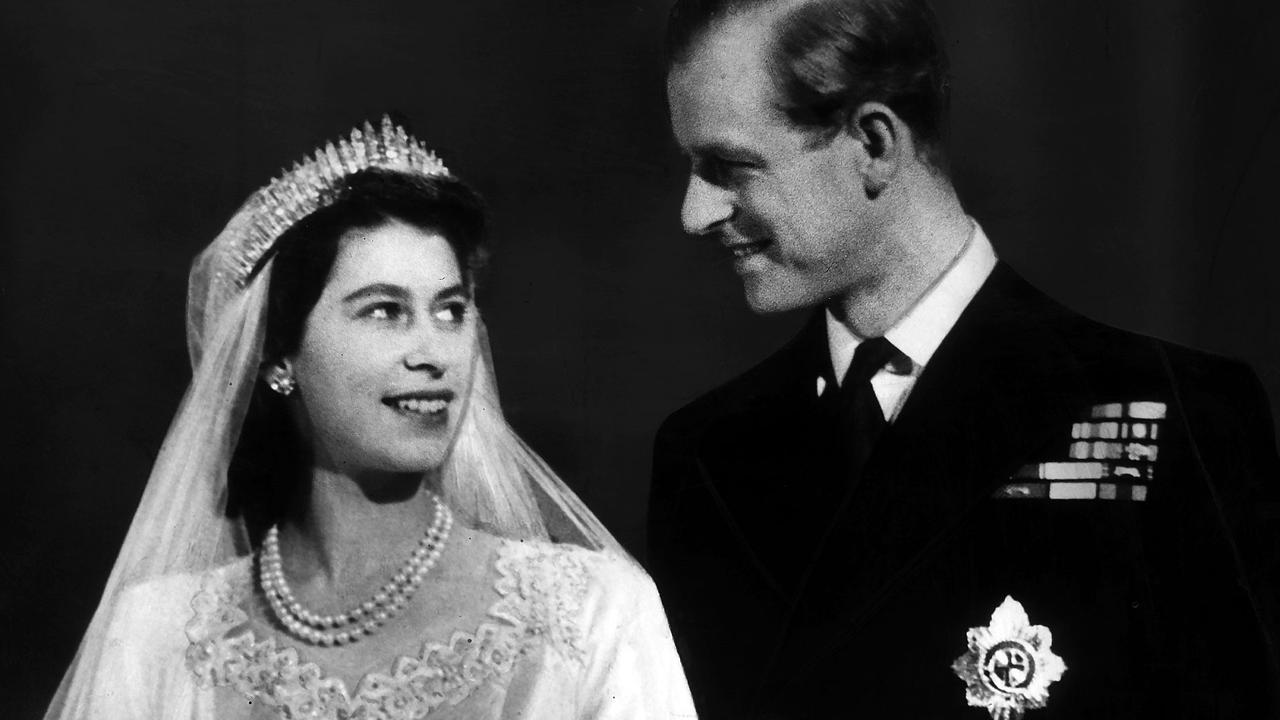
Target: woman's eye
384	312
454	313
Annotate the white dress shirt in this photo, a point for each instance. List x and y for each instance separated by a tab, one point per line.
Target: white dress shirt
919	333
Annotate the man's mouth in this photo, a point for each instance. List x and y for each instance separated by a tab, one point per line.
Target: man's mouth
747	249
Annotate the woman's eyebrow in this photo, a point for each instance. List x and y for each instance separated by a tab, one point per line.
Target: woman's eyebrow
455	289
385	289
400	292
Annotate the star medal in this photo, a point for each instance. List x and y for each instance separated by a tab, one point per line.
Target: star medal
1009	666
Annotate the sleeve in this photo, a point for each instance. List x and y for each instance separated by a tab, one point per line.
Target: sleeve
120	676
632	669
1233	433
670	468
1250	506
678	511
138	673
687	558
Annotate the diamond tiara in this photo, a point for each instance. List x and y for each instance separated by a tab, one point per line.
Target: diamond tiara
317	182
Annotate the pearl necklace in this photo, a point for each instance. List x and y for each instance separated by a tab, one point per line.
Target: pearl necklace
364	619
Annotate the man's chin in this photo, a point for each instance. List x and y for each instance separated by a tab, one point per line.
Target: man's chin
768	300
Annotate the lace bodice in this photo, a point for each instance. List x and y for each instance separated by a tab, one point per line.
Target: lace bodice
540	589
558	633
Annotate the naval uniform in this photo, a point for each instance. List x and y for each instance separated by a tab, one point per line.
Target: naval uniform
1057	517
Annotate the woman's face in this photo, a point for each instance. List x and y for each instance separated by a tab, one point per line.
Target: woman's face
386	354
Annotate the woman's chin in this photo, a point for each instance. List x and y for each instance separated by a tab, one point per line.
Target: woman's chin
414	451
424	461
419	458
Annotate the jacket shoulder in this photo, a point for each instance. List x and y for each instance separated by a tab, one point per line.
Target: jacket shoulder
1115	358
1109	355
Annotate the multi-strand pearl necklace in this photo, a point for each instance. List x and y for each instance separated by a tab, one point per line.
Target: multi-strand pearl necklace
364	619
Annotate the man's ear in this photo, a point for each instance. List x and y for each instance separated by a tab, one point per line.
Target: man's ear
883	141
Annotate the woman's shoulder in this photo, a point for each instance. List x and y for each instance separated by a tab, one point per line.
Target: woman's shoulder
583	583
563	564
156	611
560	592
165	592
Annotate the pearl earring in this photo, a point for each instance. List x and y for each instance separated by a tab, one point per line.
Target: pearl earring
282	382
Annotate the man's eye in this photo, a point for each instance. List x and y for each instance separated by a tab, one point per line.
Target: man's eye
723	171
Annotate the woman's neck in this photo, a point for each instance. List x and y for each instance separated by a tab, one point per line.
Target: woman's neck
344	528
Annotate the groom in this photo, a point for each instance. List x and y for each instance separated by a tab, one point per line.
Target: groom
948	496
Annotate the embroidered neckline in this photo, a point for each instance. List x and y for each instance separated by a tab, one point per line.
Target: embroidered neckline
541	588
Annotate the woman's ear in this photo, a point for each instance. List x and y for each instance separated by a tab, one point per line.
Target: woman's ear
279	377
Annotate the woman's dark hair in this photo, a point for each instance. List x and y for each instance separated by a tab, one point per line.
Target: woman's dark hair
270	461
830	56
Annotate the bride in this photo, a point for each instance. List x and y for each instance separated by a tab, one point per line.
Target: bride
340	523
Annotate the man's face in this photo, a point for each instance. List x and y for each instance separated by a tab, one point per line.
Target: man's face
792	212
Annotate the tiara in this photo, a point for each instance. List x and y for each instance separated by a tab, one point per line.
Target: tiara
317	182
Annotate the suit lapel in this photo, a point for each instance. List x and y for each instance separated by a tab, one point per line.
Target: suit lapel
999	384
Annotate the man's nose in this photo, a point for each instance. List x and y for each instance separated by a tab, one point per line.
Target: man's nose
705	206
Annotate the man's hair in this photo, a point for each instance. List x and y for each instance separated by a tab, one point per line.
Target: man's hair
830	56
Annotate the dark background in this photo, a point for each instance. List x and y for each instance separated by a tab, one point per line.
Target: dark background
1122	155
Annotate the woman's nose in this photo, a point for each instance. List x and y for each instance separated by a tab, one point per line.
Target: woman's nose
428	353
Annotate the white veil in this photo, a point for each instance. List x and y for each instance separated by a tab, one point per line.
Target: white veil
491	479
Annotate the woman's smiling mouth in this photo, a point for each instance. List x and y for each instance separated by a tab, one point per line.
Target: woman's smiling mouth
423	404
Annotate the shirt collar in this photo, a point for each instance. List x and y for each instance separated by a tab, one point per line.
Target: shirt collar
919	333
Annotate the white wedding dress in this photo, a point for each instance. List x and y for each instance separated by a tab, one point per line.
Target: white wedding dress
570	633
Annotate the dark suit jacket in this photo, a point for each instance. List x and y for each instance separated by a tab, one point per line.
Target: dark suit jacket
795	593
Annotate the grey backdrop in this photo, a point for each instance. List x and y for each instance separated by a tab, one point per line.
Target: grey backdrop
1121	155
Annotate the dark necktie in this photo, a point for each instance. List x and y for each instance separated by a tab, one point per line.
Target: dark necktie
861	418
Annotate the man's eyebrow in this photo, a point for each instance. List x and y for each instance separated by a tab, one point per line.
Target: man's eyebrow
724	150
388	289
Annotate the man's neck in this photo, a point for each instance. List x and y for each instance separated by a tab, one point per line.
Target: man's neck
929	236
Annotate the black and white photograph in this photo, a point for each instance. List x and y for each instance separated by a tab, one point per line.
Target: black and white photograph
640	360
